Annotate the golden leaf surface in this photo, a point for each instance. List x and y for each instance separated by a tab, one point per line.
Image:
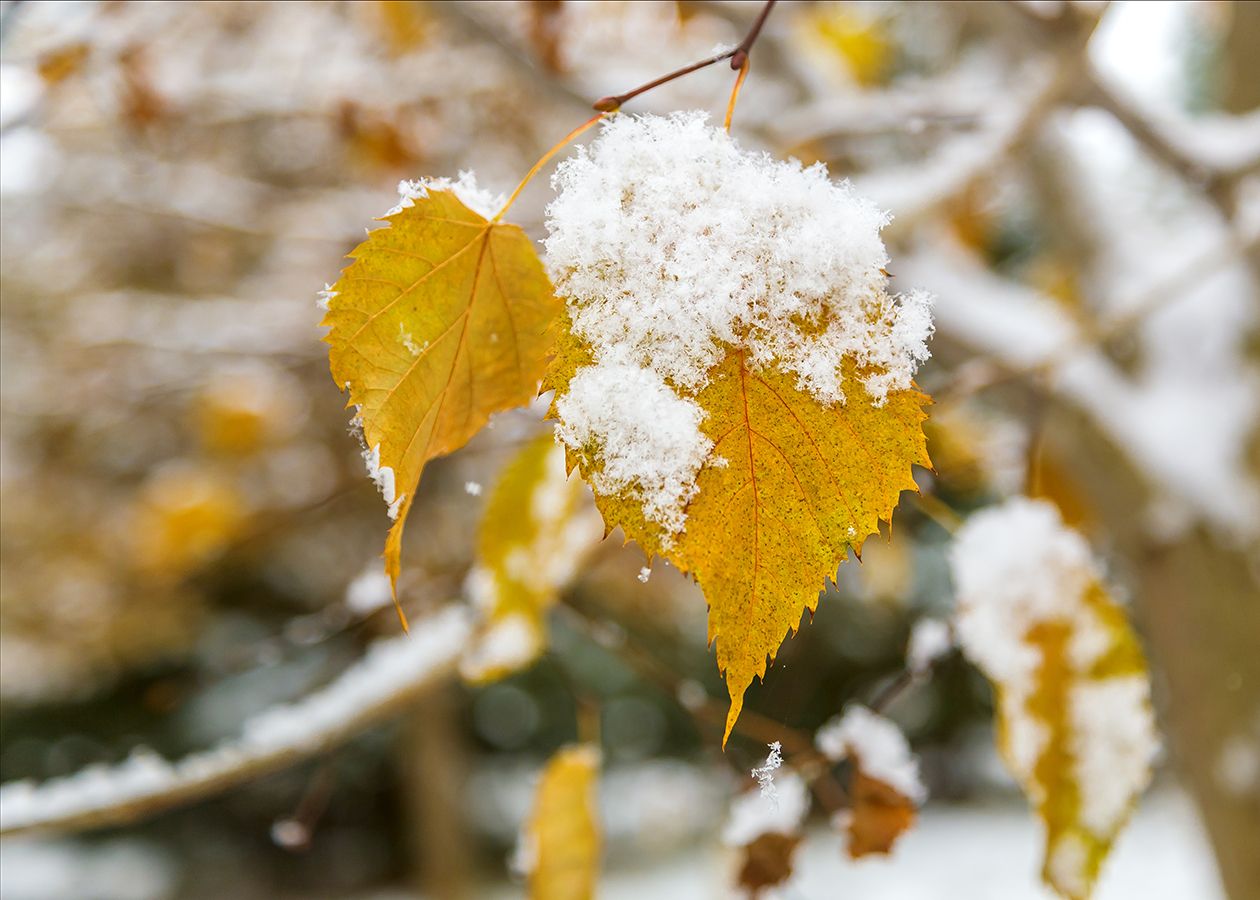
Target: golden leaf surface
1075	848
538	527
790	486
562	837
440	321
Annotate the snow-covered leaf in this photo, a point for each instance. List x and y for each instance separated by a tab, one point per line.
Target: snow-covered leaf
885	789
1074	718
735	380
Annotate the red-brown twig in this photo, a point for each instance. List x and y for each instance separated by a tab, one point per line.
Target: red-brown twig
737	55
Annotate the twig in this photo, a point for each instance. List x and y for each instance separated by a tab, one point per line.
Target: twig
737	55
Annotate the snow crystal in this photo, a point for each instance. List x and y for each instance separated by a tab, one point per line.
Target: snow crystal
754	814
764	773
325	297
481	201
671	245
929	641
644	574
472	488
878	748
648	437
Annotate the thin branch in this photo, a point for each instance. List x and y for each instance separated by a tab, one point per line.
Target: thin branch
392	676
737	55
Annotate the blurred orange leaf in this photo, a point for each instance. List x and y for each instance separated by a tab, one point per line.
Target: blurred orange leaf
879	815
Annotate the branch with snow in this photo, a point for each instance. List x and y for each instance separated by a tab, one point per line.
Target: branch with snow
392	675
1183	420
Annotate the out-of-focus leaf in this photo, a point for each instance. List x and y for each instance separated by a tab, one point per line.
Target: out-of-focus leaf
561	841
879	815
538	527
1075	725
767	862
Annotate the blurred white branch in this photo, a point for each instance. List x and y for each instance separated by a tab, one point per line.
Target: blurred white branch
1183	427
392	675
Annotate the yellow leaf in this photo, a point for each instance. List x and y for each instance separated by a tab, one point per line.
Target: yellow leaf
1075	726
440	321
790	486
539	525
562	837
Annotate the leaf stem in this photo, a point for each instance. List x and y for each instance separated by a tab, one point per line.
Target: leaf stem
739	82
737	55
607	105
546	157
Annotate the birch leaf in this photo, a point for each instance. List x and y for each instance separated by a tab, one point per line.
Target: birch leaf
562	837
538	527
1075	726
440	321
790	486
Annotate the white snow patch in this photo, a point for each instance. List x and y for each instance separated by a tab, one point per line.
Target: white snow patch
369	591
669	239
877	747
481	201
647	437
1114	743
1016	566
672	245
472	488
930	639
508	643
382	476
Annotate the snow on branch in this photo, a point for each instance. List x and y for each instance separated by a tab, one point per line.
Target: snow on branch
1183	421
1203	149
917	190
392	675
